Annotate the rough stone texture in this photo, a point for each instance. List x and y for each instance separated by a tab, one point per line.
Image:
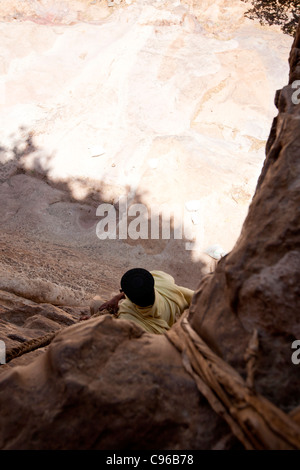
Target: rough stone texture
106	384
151	100
164	102
256	286
22	319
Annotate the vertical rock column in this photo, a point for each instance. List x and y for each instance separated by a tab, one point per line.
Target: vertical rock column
257	285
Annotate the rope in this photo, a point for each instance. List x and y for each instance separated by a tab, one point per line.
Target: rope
255	421
29	346
40	342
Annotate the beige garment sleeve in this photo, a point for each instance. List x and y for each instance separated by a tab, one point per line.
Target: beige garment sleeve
187	293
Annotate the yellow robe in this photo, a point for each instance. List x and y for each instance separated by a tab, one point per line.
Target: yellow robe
170	302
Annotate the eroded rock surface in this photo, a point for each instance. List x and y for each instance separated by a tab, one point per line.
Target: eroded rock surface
256	286
106	384
22	320
162	102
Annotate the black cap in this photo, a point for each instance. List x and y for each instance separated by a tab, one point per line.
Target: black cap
138	285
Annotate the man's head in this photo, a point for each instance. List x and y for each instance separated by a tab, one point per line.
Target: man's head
138	285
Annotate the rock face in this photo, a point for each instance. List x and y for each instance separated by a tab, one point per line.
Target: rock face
22	320
106	384
256	286
163	102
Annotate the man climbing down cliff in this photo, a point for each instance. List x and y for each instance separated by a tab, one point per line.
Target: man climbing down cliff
150	299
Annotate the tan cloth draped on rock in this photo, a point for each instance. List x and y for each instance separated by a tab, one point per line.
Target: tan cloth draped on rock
170	302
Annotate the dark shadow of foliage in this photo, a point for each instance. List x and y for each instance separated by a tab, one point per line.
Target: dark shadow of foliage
284	13
58	241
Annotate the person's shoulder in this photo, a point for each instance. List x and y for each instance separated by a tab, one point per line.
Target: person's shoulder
162	276
158	273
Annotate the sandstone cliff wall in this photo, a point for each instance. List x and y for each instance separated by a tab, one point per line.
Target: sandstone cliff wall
106	384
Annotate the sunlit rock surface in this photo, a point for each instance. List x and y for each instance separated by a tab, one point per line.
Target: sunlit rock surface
162	102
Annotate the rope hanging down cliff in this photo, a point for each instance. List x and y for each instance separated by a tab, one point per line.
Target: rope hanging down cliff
255	421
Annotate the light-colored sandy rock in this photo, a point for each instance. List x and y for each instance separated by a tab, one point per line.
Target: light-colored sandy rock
154	88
